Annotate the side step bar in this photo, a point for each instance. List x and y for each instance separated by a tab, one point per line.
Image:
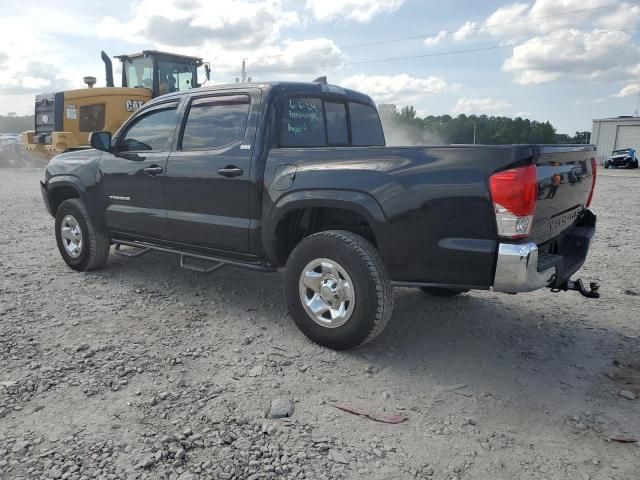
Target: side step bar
218	262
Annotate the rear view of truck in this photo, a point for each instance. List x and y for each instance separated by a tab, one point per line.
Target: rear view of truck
542	215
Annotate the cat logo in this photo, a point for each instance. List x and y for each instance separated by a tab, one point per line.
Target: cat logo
133	105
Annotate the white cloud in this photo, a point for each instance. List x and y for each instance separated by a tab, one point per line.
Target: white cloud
488	105
582	55
357	10
465	31
630	90
434	40
304	57
400	89
232	23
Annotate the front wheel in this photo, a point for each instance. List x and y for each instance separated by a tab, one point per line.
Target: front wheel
338	290
606	164
82	247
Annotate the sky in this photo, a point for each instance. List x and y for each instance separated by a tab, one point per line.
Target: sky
566	61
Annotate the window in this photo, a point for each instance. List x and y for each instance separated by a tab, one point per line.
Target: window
366	129
139	72
153	131
215	122
175	76
302	123
92	117
336	114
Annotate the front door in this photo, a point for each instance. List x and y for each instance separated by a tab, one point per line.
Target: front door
133	175
207	179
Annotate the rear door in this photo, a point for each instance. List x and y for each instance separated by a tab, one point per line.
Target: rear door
208	174
132	176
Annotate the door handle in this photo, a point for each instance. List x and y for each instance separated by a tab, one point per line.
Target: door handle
153	170
230	171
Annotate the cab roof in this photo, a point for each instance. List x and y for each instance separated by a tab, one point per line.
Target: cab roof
161	56
280	87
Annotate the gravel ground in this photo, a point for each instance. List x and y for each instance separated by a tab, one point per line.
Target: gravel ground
144	370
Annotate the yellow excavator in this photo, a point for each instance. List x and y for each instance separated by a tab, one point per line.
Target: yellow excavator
64	120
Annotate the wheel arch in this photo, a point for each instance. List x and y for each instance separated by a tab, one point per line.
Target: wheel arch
61	188
311	211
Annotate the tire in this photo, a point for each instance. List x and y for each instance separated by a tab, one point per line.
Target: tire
443	292
606	164
352	265
635	164
92	249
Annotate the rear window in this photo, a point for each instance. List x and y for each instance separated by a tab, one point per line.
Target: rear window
313	122
302	123
215	122
366	129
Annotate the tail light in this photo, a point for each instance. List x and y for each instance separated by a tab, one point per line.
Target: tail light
593	181
514	194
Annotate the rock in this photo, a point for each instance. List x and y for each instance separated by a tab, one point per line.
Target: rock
146	463
187	476
181	453
54	473
256	371
281	408
303	368
629	395
338	456
20	446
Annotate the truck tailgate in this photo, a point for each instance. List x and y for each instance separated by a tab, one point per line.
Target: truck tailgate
565	179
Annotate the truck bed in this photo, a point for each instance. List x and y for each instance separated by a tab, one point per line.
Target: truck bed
436	221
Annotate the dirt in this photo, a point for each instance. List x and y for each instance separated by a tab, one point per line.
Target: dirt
144	370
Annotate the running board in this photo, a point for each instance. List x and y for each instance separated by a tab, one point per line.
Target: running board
141	251
195	268
219	262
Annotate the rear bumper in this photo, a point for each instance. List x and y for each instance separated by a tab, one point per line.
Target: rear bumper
524	267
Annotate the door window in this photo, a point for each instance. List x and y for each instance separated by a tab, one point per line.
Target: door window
153	131
215	122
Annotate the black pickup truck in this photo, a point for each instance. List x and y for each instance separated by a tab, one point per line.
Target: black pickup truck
297	176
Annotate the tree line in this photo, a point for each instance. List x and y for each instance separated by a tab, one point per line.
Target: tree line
405	127
13	123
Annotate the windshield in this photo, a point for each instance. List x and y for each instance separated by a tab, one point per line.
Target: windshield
620	152
139	72
174	76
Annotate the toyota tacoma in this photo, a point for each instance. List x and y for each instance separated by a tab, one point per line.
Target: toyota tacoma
296	176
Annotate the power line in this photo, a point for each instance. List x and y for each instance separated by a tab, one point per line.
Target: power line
471	29
432	54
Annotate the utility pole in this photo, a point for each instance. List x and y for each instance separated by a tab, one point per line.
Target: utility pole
474	133
637	104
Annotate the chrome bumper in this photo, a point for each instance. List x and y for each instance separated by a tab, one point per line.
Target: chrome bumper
517	269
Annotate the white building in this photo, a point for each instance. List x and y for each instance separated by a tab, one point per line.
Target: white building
609	134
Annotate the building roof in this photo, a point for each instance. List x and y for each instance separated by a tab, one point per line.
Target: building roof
618	119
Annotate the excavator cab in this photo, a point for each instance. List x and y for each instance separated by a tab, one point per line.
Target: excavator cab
161	72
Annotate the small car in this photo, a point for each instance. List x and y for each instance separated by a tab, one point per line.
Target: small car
625	157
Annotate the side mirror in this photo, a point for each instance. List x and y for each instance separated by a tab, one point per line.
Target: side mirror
100	141
207	71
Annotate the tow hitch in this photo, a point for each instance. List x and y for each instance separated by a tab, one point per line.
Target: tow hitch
578	286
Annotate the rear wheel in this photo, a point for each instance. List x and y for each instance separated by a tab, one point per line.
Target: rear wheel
82	247
338	290
444	292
